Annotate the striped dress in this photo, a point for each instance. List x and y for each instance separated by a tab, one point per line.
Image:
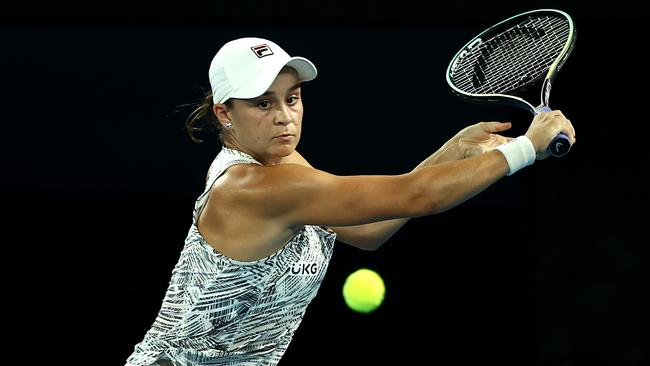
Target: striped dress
220	311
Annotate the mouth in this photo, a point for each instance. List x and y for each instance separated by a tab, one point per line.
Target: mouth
284	136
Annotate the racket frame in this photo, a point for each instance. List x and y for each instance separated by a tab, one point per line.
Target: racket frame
512	99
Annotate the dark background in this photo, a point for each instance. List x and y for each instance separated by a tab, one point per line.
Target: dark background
548	267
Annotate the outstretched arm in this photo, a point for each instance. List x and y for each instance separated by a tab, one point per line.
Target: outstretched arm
278	199
471	141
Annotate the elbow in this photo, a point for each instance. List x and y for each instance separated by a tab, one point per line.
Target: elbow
370	241
368	246
372	246
365	245
363	237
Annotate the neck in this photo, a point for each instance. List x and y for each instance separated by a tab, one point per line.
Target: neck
264	160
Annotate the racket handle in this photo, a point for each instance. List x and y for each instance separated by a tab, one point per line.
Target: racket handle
561	144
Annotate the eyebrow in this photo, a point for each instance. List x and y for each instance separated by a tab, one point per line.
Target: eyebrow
272	92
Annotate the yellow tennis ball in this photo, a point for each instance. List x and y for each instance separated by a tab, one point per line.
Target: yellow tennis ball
364	290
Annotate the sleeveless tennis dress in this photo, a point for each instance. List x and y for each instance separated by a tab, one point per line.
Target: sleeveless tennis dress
220	311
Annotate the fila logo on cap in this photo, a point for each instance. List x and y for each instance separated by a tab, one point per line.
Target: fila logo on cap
262	50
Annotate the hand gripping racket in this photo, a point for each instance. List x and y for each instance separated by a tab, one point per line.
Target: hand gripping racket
510	57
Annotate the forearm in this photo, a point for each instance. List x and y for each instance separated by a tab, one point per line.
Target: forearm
439	186
373	235
449	184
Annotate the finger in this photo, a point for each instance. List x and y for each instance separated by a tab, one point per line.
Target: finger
566	128
569	130
496	126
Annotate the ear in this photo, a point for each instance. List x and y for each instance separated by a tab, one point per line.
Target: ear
222	113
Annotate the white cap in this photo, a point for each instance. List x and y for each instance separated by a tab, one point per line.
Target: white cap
246	67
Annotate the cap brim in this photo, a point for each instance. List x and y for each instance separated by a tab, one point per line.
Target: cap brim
305	68
263	80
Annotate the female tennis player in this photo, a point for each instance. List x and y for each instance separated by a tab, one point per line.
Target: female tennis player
265	226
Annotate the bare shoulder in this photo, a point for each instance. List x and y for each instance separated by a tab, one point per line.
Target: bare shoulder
238	176
240	219
251	176
233	184
251	184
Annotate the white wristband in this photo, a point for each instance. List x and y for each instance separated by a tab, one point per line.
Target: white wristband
519	153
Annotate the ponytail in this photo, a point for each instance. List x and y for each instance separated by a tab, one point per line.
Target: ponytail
202	119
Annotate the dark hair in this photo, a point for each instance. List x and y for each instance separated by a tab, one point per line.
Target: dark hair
202	119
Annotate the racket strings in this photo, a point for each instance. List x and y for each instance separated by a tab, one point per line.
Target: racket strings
521	55
512	44
517	53
533	58
513	58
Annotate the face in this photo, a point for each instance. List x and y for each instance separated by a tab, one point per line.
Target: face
268	127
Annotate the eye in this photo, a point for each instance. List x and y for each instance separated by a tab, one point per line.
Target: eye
292	99
264	104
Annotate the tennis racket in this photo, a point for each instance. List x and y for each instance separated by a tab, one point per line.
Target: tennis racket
504	62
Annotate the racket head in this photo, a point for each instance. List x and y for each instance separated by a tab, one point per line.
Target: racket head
506	59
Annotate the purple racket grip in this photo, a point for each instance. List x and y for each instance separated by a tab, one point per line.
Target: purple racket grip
561	144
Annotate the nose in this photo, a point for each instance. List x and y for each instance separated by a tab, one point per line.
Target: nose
283	115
